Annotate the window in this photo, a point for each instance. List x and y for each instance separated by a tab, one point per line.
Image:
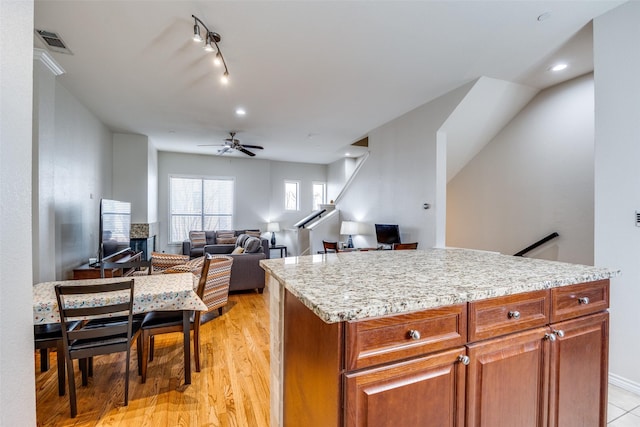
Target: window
291	193
319	195
199	204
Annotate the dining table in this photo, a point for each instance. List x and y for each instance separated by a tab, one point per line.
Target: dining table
156	292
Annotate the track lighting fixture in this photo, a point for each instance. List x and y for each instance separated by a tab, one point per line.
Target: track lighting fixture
211	41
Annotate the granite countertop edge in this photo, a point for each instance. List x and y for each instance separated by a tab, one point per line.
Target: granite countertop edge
334	288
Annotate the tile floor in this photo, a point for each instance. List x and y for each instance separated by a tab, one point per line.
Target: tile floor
624	408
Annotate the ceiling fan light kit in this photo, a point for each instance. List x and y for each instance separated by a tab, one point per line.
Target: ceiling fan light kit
211	39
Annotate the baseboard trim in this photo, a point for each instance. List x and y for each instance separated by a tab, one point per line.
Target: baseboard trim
624	383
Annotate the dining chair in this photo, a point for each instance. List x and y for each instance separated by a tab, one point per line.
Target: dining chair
162	261
213	289
330	246
83	340
405	246
138	267
46	337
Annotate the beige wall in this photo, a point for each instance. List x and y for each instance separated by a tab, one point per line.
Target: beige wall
535	177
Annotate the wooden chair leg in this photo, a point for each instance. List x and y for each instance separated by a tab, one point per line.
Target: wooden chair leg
144	336
196	346
72	387
139	352
151	348
60	362
126	377
44	359
83	369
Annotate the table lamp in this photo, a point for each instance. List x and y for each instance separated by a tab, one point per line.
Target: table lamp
349	228
273	227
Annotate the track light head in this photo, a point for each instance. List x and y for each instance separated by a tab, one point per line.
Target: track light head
196	33
217	61
207	46
225	78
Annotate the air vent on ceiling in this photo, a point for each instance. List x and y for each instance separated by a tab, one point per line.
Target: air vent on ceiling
637	219
53	41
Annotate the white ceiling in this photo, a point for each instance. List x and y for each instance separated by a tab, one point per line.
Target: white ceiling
313	76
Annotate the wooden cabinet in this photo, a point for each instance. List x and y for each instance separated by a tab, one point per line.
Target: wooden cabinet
507	381
425	391
579	371
534	359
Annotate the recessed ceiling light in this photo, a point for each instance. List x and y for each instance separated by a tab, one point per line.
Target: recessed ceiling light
240	111
559	67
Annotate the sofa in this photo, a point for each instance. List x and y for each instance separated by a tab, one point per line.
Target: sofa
246	272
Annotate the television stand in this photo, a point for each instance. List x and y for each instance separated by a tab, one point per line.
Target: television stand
88	271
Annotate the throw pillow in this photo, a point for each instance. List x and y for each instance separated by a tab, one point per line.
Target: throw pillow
253	233
241	239
252	245
238	250
225	240
198	239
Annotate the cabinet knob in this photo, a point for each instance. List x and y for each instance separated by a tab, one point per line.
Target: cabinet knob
464	359
514	314
550	337
413	334
583	300
559	333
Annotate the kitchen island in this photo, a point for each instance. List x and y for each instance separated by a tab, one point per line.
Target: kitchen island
437	337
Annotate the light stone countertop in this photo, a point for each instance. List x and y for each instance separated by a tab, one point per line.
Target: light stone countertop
357	285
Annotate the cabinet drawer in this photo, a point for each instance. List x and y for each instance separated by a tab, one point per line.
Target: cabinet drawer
376	341
578	300
502	315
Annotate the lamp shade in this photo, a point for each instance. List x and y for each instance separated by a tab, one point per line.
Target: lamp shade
273	226
349	227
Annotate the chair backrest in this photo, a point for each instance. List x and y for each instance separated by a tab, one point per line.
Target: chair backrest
330	246
72	303
213	286
136	266
405	246
162	261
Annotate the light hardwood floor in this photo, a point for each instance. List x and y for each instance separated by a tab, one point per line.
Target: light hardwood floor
232	388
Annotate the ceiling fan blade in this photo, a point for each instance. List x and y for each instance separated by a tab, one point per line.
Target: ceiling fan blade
253	146
211	145
247	152
223	150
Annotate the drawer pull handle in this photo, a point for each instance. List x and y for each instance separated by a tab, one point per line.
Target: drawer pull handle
464	359
583	300
413	334
514	314
550	337
559	333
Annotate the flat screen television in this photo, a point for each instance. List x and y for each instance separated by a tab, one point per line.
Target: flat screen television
387	234
115	227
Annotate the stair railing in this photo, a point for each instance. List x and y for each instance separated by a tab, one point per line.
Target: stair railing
537	244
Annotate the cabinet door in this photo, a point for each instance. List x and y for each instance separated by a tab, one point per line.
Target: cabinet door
579	366
507	381
427	391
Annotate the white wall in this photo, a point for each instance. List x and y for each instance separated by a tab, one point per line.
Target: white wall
401	174
17	394
259	189
82	176
134	174
338	173
535	177
617	181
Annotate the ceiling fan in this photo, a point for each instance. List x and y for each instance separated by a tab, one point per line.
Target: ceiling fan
234	144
